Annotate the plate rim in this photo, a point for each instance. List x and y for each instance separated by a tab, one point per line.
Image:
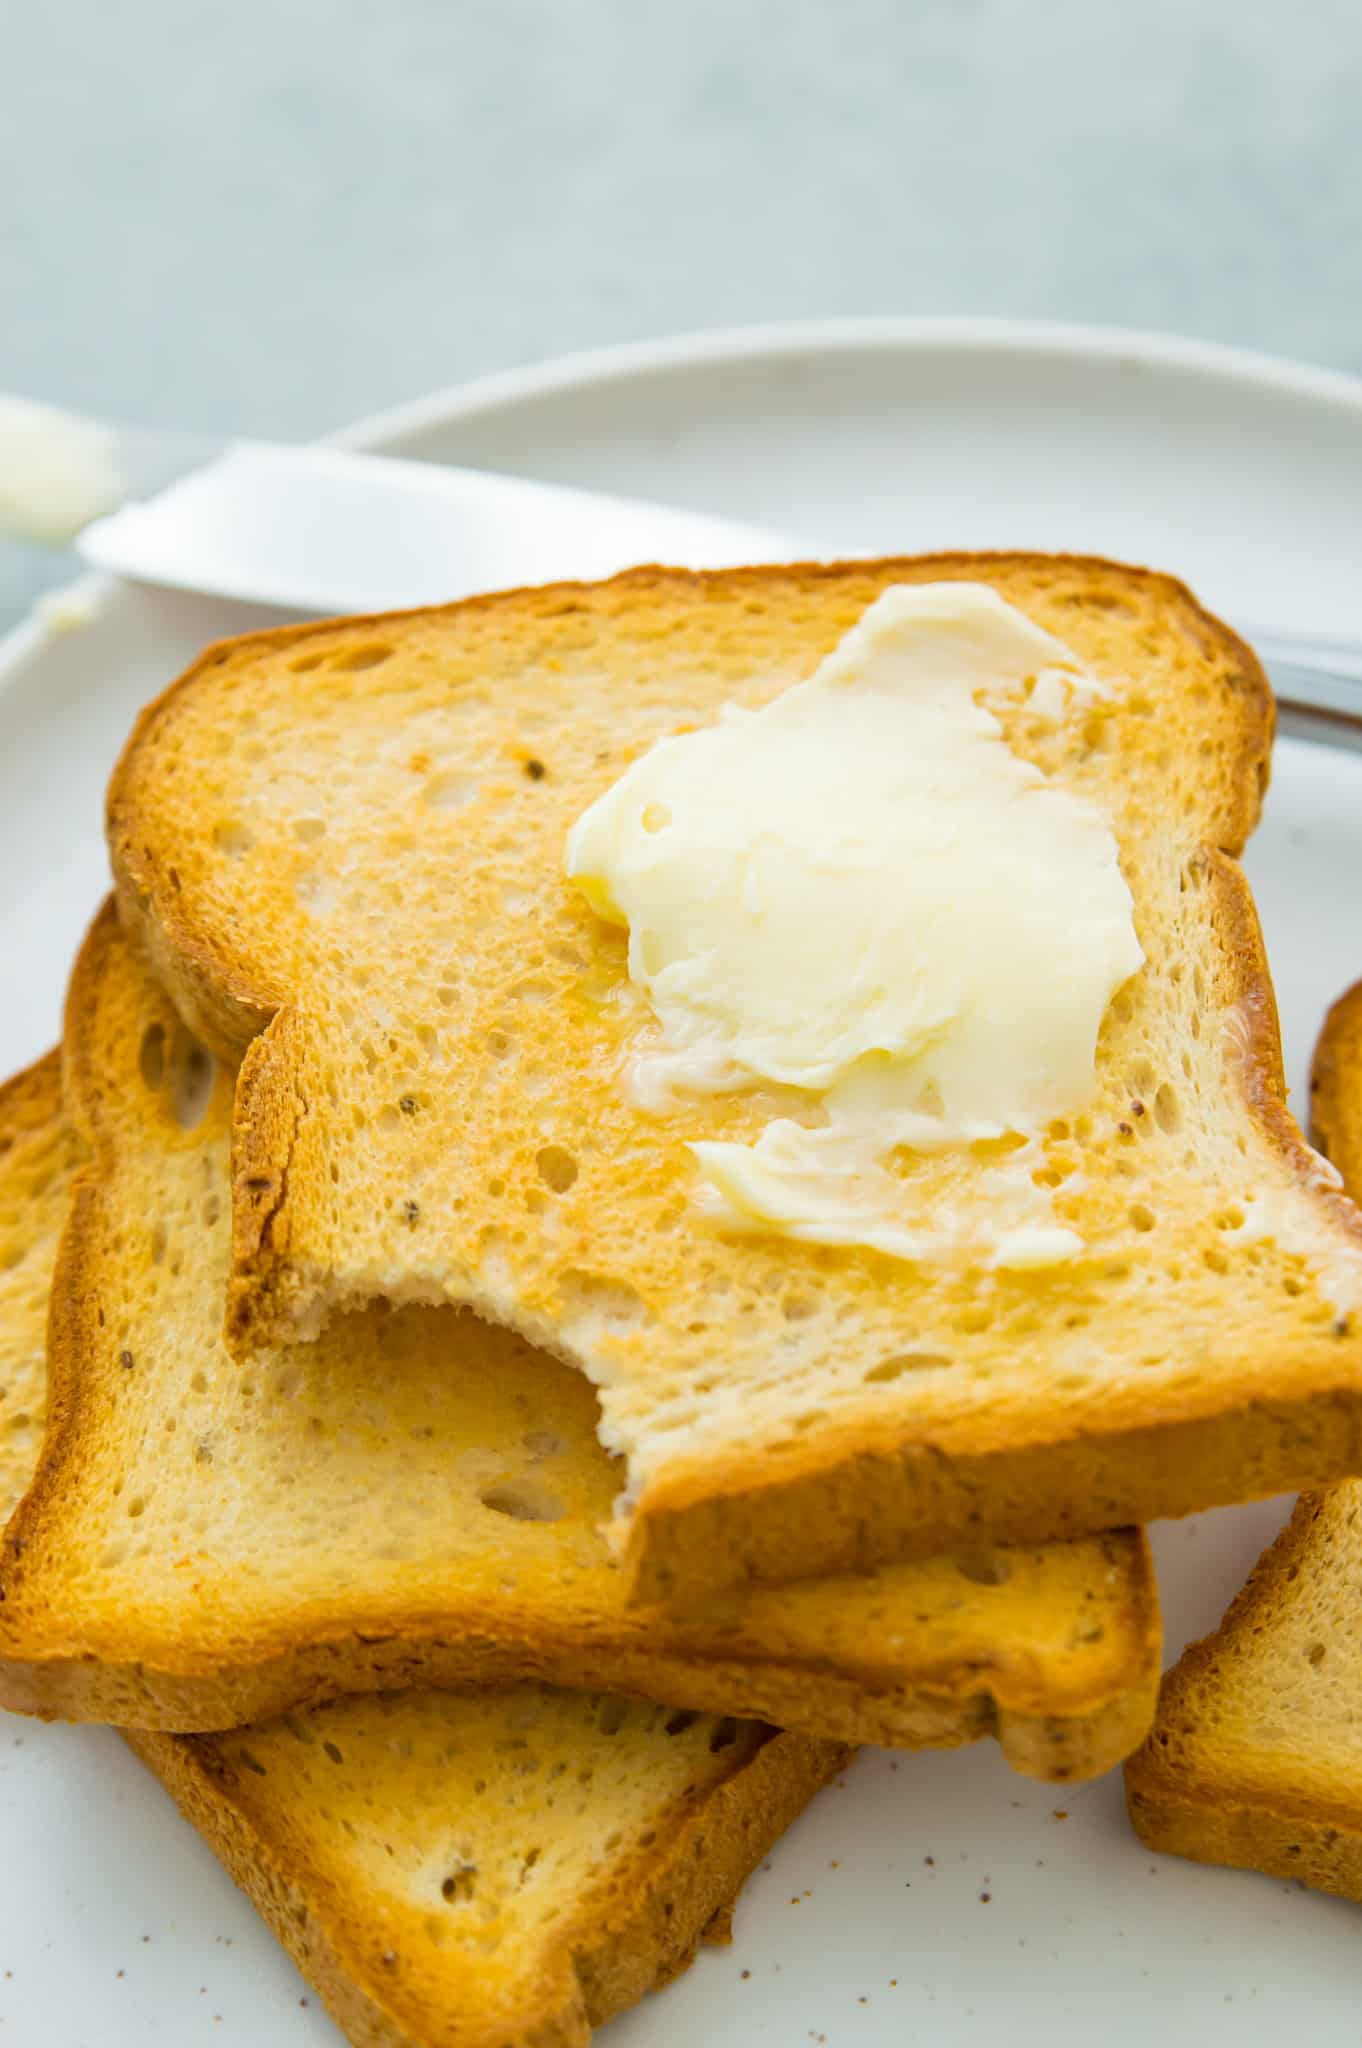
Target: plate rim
852	334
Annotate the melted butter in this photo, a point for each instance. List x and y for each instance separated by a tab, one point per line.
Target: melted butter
861	895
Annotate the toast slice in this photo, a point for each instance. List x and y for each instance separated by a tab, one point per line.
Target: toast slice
416	1500
342	846
498	1871
501	1871
1256	1755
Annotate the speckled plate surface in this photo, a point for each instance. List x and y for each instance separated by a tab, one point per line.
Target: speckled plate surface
932	1898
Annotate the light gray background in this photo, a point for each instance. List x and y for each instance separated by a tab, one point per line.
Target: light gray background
276	214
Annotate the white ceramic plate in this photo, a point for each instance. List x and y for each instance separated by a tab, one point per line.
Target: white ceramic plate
870	1926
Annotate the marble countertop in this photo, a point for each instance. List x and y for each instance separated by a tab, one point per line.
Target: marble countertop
273	217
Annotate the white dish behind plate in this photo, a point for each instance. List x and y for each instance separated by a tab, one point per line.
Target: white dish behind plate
1239	474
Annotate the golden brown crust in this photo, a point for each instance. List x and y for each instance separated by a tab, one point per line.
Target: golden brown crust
1213	1828
1027	1469
265	1132
642	1931
1069	1743
1238	1803
1335	1091
1072	1741
30	1101
38	1156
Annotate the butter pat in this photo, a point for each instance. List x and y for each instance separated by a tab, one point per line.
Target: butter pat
861	894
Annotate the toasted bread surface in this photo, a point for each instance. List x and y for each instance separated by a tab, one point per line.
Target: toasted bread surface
417	1498
39	1156
503	1870
1255	1758
1336	1089
341	846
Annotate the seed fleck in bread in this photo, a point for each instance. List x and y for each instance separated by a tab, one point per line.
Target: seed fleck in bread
502	1871
417	1499
1256	1754
341	845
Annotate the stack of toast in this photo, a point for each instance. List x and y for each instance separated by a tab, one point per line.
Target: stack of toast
491	1557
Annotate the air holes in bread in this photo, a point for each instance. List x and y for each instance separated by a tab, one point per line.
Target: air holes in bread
193	1071
353	658
188	1068
983	1570
904	1362
557	1168
725	1734
524	1500
151	1056
460	1883
1167	1109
